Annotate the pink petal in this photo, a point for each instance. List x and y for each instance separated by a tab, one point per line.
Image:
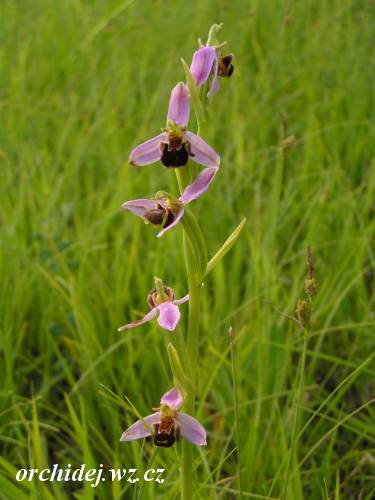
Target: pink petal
199	186
148	152
202	63
215	81
181	301
176	221
201	152
172	398
191	429
151	314
169	315
139	430
139	207
178	111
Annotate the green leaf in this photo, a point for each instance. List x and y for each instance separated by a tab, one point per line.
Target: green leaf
180	378
226	246
196	240
337	488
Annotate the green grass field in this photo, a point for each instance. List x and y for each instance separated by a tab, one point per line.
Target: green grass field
83	82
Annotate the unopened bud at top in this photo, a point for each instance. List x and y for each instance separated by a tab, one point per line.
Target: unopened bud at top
212	39
208	62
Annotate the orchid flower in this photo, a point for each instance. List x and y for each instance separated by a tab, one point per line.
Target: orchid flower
166	212
175	144
168	424
163	303
207	62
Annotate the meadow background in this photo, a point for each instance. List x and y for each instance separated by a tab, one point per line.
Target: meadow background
81	83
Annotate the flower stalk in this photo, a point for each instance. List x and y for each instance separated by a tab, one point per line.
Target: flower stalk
193	246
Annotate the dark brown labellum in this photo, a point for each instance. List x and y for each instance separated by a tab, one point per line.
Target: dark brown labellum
160	216
166	432
170	218
164	440
172	157
225	66
155	216
174	142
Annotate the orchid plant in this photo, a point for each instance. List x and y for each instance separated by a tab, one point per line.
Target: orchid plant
174	147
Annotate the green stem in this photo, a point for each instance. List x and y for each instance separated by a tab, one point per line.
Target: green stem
194	314
192	355
182	178
298	407
191	251
236	413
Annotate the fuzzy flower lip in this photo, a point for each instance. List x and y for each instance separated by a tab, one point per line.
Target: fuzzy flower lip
168	424
175	145
167	213
165	308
